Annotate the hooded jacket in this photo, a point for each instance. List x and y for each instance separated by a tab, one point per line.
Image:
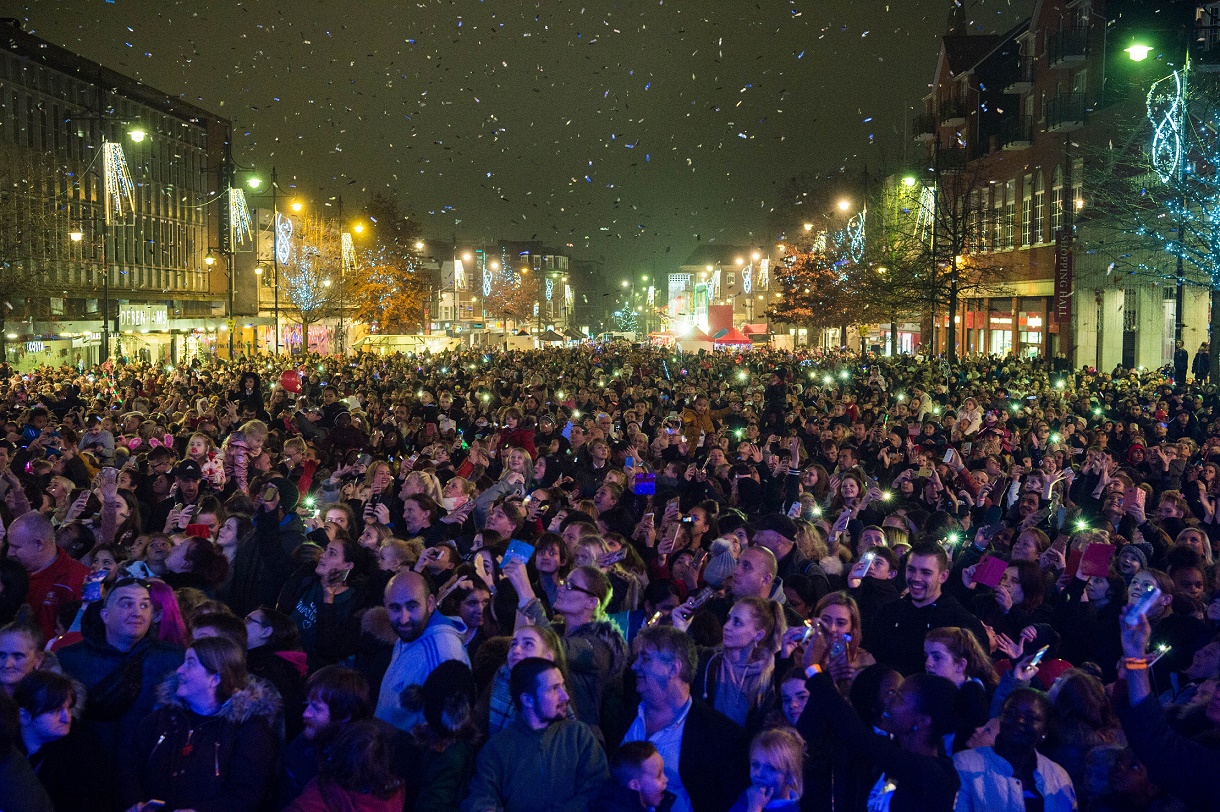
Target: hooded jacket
93	660
411	663
219	763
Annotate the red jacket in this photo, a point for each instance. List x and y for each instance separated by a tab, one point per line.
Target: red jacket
60	583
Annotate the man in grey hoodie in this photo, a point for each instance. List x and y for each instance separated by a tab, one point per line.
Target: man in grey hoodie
426	638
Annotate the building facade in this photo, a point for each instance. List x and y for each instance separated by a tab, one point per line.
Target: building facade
65	254
1013	126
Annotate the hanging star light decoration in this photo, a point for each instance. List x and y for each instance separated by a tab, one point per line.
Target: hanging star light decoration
120	189
747	280
239	215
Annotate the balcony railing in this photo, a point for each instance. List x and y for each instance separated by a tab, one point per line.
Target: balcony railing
1068	45
952	112
1023	82
925	128
1065	112
1016	132
951	159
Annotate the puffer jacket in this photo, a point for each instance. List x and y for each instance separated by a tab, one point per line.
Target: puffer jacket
219	763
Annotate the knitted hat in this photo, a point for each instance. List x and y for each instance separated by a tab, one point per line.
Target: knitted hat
721	564
1142	550
289	494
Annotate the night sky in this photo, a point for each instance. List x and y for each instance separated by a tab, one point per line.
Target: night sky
629	130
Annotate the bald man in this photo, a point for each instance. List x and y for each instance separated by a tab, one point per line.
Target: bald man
426	638
55	577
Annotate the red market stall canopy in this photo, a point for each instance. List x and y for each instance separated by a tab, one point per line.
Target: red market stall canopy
754	329
731	336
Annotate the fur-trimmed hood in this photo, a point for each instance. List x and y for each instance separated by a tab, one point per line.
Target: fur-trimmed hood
376	622
258	698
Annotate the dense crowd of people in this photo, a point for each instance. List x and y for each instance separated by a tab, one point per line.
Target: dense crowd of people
614	578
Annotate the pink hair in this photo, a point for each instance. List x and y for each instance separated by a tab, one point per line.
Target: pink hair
171	628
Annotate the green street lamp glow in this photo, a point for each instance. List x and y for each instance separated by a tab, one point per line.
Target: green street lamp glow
1138	52
908	181
253	183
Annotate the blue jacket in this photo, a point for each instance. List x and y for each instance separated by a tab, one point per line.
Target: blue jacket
93	660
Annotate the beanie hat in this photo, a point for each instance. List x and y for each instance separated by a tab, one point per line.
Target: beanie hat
289	495
1140	549
720	568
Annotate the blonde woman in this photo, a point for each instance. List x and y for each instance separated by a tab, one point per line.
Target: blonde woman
736	676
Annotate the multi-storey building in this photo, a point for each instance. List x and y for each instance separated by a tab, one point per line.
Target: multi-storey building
63	257
1013	126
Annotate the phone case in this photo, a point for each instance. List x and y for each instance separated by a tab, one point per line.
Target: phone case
990	571
1096	560
518	550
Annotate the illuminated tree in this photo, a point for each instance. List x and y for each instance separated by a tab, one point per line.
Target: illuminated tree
511	295
310	277
813	290
1154	206
390	287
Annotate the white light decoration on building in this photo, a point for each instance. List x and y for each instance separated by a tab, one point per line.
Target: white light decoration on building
459	275
747	279
550	289
239	216
652	295
1166	111
486	283
855	236
283	238
713	285
764	273
349	252
117	179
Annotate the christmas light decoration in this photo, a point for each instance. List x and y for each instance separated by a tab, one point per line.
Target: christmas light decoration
239	215
855	236
486	283
550	289
1167	112
120	189
283	238
747	282
348	252
764	273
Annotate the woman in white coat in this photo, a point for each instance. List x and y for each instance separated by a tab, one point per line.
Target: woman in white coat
1011	775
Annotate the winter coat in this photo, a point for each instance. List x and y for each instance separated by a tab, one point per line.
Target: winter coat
21	790
285	670
219	763
96	664
330	797
560	768
988	783
615	797
263	562
596	654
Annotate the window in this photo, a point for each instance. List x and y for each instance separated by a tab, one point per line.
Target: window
730	279
1056	201
1027	204
1039	235
1077	201
1010	213
997	217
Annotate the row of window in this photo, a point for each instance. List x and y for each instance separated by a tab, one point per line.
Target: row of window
994	224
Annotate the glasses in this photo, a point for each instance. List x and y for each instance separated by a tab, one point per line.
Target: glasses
571	587
254	620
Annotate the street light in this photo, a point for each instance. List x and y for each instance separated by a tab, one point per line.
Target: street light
844	204
1138	52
